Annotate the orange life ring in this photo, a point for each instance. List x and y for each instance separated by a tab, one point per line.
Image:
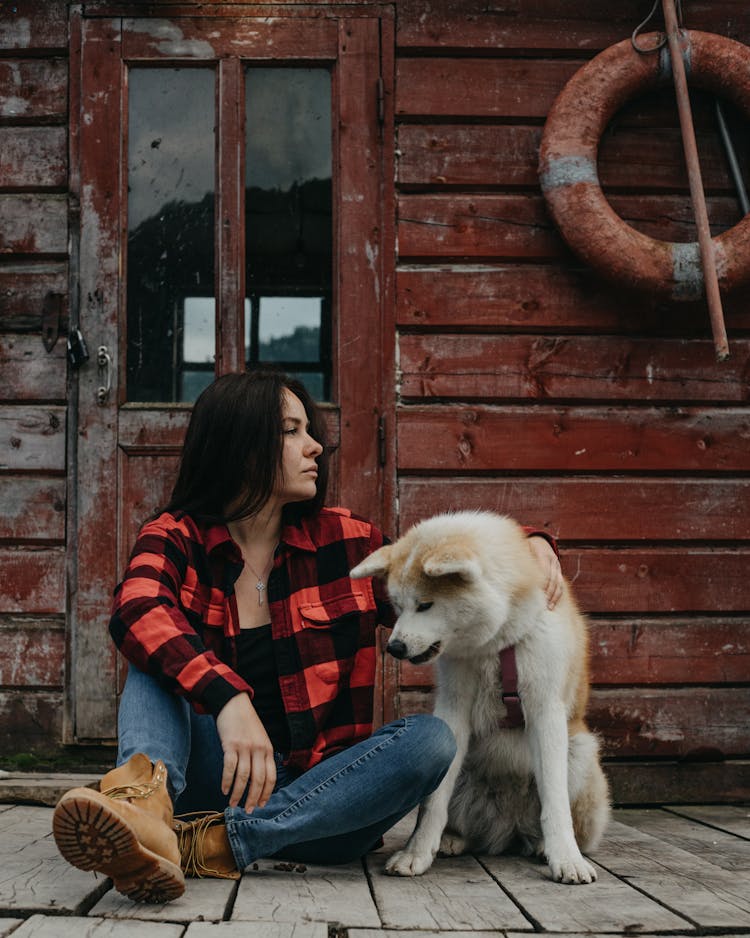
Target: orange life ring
568	165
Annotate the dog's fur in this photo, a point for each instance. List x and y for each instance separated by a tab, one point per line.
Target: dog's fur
466	585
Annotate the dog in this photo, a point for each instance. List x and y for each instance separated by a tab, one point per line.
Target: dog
465	586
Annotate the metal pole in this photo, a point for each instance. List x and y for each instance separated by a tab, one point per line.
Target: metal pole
734	166
708	263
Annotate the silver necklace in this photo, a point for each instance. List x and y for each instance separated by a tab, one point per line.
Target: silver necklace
260	585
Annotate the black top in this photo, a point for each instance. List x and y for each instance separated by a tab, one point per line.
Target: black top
256	665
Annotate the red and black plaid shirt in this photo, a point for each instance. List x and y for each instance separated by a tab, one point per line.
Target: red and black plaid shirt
174	616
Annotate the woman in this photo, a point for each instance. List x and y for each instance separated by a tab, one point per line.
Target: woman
249	696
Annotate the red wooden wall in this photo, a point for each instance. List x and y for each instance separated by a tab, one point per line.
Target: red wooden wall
33	383
524	384
530	386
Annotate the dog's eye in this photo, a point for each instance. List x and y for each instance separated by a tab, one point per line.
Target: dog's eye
423	607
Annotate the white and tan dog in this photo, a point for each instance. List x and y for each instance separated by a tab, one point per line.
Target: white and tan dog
465	586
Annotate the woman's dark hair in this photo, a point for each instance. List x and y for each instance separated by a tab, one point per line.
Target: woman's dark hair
234	445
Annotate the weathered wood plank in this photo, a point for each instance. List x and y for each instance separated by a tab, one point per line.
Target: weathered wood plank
29	372
665	722
397	933
711	722
608	906
545	298
518	26
581	439
30	721
32	657
260	930
680	651
34	877
93	672
34	224
7	925
652	651
33	88
317	894
33	157
23	289
480	87
482	155
667	782
33	508
591	508
203	899
83	927
734	819
35	24
32	438
456	894
688	885
467	367
40	789
517	226
659	580
214	37
716	847
33	579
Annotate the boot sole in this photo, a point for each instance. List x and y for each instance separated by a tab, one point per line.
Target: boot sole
92	837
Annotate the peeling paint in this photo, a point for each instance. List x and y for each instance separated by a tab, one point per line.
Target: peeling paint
16	33
372	253
170	40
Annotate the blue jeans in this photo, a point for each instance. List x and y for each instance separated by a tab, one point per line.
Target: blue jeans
333	813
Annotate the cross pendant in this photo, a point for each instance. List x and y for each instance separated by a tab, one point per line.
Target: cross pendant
260	586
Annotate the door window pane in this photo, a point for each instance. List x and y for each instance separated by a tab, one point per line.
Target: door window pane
288	200
198	346
170	280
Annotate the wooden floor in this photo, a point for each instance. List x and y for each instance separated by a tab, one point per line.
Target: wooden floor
675	871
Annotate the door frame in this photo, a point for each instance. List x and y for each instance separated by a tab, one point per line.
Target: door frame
364	379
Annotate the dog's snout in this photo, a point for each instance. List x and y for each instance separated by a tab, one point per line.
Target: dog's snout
397	648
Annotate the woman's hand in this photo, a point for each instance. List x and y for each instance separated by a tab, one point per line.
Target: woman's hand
248	753
546	557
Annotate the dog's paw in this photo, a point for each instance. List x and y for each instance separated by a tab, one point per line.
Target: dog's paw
574	870
452	845
407	863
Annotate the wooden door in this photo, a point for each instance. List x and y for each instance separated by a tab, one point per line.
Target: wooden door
169	268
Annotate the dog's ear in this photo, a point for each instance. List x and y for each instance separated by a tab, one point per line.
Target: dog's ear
377	564
452	560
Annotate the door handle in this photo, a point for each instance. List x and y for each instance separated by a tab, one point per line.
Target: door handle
104	361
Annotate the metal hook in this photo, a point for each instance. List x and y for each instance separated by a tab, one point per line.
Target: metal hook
638	29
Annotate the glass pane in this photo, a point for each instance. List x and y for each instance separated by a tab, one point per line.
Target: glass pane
288	198
199	331
289	328
170	232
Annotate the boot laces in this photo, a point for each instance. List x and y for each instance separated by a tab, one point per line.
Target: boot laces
191	838
125	792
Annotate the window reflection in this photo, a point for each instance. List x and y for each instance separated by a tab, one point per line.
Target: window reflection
170	263
198	346
288	199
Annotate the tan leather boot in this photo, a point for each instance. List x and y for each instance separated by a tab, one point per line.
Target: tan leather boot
124	830
204	846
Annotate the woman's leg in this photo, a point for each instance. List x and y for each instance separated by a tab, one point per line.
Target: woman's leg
163	726
339	809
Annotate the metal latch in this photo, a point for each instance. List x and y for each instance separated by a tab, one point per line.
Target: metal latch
104	361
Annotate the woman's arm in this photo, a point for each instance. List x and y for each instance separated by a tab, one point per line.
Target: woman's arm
153	633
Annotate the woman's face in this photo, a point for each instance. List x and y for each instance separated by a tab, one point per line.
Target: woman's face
299	469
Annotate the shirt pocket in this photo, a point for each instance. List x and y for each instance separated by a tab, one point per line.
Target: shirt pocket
332	632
